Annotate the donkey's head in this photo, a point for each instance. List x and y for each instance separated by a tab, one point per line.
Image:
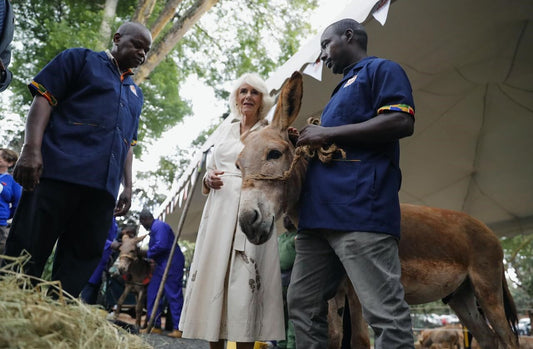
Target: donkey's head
271	178
129	252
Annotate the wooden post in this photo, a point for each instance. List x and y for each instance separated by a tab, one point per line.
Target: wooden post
167	268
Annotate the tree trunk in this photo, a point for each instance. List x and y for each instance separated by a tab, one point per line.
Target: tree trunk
167	43
143	11
166	15
110	10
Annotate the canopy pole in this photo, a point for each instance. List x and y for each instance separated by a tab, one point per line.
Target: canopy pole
167	268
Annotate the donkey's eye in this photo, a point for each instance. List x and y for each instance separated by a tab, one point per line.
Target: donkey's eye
274	154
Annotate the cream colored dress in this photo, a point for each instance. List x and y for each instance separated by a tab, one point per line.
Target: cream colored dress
234	287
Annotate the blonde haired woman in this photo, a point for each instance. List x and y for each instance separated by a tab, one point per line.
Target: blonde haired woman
234	289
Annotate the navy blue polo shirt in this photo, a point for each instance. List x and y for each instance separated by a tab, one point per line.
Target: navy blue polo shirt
94	118
359	193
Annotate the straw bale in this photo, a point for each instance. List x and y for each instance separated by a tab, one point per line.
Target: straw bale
31	318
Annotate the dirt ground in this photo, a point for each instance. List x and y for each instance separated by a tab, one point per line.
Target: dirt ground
162	341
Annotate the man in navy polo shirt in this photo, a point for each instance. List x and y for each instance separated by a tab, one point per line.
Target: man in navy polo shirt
350	214
77	149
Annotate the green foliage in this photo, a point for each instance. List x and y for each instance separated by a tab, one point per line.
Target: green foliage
202	137
519	261
187	247
255	37
166	108
76	23
43	29
159	180
234	37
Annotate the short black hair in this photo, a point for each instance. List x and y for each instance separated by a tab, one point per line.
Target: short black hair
357	28
145	213
130	228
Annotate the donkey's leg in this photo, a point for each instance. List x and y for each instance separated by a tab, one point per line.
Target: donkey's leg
486	273
121	299
335	315
360	338
490	294
139	306
463	302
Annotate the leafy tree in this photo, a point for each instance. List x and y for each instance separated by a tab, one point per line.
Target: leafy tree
160	179
217	40
519	261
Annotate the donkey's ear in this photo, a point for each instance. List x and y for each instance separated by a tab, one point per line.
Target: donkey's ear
289	102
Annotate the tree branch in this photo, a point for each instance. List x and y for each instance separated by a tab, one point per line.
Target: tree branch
143	11
164	17
110	11
174	35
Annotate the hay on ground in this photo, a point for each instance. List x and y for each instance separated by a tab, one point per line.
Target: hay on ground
31	319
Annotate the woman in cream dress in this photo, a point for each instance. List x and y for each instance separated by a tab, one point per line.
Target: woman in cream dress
234	288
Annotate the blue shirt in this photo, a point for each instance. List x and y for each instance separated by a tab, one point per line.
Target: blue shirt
161	240
2	15
94	119
359	193
10	192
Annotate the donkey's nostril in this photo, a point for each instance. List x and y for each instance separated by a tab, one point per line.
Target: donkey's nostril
250	217
255	216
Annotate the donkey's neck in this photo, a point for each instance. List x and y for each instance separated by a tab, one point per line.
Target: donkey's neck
296	181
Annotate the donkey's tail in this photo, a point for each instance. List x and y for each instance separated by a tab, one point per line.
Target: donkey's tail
510	307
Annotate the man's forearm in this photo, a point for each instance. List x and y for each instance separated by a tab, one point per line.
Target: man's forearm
38	118
127	176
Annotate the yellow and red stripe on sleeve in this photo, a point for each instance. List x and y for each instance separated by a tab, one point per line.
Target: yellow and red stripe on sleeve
40	89
397	107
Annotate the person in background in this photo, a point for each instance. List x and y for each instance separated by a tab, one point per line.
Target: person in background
159	248
77	149
350	211
89	294
7	26
10	192
287	254
234	288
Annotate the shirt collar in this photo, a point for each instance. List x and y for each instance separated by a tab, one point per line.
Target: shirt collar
122	74
358	64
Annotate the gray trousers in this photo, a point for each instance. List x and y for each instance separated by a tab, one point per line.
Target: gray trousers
371	262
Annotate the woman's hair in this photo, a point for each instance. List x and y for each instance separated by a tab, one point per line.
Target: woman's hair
256	82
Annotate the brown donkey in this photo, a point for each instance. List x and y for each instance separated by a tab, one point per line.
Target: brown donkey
444	254
136	272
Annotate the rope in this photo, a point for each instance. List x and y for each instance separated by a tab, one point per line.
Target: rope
325	154
125	255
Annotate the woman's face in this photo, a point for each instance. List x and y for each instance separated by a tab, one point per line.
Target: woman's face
249	100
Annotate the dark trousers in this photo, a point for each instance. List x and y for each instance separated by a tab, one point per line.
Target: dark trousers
172	290
76	216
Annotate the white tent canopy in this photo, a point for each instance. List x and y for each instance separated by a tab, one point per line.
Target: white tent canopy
471	67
